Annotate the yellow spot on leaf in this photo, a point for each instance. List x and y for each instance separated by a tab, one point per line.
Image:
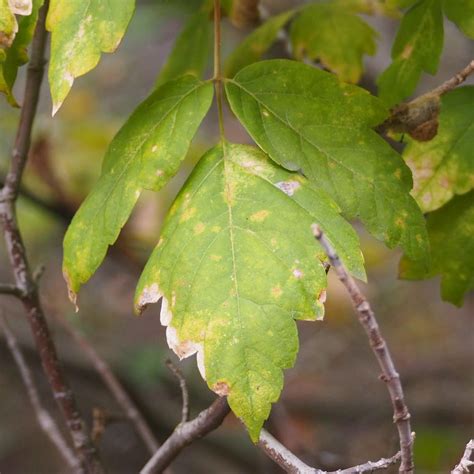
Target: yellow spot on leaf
187	214
260	216
276	291
199	228
216	258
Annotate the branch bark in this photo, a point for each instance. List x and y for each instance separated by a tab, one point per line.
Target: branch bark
115	387
390	376
466	465
23	277
419	117
185	433
45	420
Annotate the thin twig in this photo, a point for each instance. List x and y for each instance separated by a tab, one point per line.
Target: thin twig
390	376
116	388
185	433
419	117
45	420
466	465
17	255
11	290
184	390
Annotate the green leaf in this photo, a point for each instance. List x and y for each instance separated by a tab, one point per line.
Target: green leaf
390	8
145	154
17	55
256	43
8	24
305	118
80	31
190	53
417	48
235	265
451	231
444	166
334	35
461	12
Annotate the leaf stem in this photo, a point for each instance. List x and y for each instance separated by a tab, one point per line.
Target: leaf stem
217	65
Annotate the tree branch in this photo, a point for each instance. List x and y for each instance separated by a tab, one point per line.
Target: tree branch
45	420
185	433
419	117
6	289
184	390
24	280
466	465
390	376
115	387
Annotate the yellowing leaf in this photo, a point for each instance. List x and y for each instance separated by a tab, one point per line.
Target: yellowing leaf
145	154
17	55
304	118
451	231
80	32
8	25
444	166
417	48
235	265
334	35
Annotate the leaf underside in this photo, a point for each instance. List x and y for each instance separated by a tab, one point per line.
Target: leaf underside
451	231
145	154
306	119
235	265
444	166
80	32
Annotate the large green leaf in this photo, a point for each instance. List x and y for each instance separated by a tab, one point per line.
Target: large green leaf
80	31
190	53
17	55
451	231
256	43
145	154
461	12
417	48
334	35
444	166
235	265
305	118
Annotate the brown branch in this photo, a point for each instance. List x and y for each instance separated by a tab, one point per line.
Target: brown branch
24	280
466	465
419	117
45	420
12	290
185	433
116	388
184	390
390	376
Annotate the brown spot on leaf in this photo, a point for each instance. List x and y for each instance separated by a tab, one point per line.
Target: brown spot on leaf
221	388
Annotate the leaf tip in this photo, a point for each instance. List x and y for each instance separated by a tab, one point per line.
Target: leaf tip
71	290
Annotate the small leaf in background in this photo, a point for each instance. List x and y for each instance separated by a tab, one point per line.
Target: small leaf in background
334	36
417	48
390	8
80	32
444	166
461	12
235	265
146	152
17	55
304	118
190	53
256	44
451	230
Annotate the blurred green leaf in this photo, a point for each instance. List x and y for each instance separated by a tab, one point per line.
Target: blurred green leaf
461	12
145	154
256	44
190	53
334	35
305	118
444	166
232	278
451	231
417	48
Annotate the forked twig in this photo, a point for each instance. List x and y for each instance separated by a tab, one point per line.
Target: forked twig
390	376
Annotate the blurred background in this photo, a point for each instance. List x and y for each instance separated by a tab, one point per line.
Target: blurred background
334	412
